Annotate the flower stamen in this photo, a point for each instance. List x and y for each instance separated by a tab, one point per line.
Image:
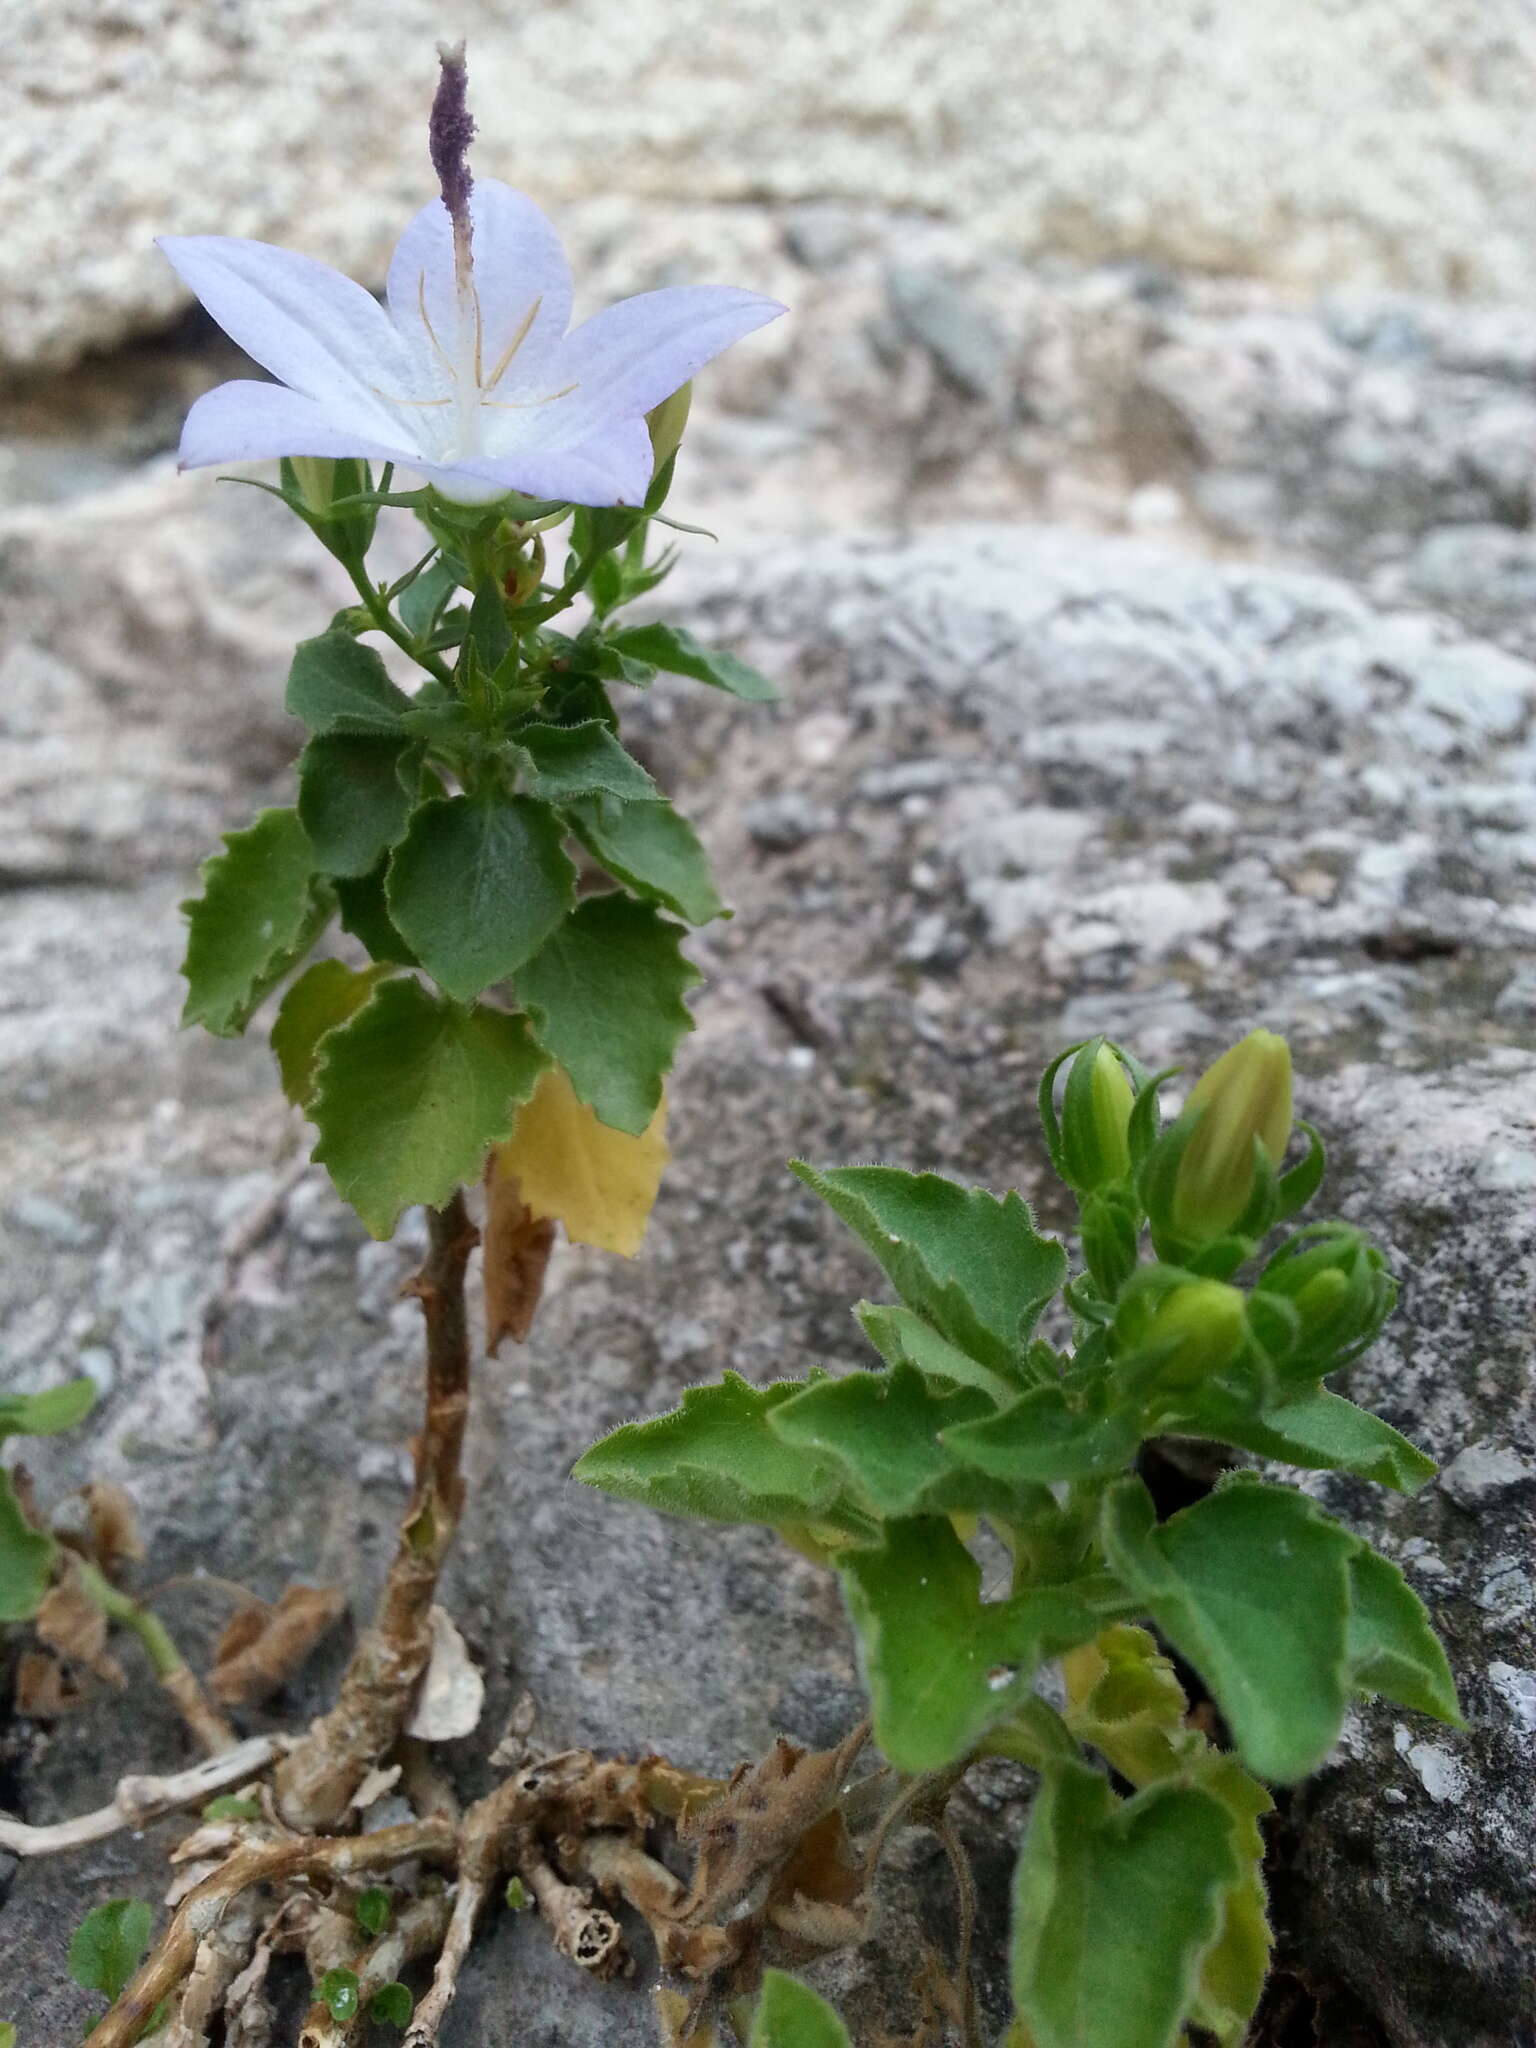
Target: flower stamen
512	347
524	404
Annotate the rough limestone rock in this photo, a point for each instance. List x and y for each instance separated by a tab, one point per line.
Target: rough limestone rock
1311	143
1022	787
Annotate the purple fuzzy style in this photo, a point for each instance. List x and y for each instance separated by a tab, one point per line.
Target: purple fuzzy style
450	132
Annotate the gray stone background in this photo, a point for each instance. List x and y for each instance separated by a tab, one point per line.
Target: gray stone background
1136	513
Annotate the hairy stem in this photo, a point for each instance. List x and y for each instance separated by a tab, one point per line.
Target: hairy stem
316	1783
391	628
212	1731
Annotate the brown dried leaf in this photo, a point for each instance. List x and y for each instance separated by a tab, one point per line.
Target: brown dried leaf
517	1245
452	1692
115	1538
44	1689
754	1828
672	2010
262	1646
71	1625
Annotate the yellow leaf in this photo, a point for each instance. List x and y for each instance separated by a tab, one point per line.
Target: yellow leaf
600	1183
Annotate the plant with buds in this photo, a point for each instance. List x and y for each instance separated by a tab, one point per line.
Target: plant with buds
1141	1912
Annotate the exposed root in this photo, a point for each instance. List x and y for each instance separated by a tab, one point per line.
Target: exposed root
316	1783
139	1800
486	1841
419	1929
222	1953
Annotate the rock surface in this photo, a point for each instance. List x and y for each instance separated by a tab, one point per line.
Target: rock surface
1310	143
1024	786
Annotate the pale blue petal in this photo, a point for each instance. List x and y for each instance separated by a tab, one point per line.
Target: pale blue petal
613	468
631	356
249	422
519	265
303	321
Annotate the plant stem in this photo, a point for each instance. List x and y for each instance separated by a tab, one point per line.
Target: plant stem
390	626
316	1783
210	1728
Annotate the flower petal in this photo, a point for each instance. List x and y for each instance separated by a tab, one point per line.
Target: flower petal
631	356
303	321
614	468
248	422
518	265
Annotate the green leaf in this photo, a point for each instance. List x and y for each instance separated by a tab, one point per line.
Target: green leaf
260	912
109	1944
422	600
616	667
7	2034
941	1665
412	1093
1115	1907
476	887
1393	1650
791	2015
883	1429
1251	1585
230	1806
652	850
902	1338
324	996
337	1991
605	993
1318	1429
680	654
373	1909
26	1558
392	2005
365	914
46	1414
489	633
355	795
1233	1973
973	1265
717	1459
566	761
1047	1435
336	684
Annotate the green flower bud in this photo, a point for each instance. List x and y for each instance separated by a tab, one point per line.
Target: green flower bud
1245	1096
1200	1329
319	481
1095	1115
315	477
1340	1294
666	423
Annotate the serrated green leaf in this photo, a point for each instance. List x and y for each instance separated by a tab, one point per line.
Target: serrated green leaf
1251	1585
973	1265
791	2015
883	1429
336	684
260	911
324	997
940	1665
1116	1905
901	1337
569	761
477	886
26	1558
1047	1435
412	1093
109	1944
669	647
652	850
365	914
49	1413
1393	1649
605	993
1235	1967
717	1459
1318	1430
392	2005
355	795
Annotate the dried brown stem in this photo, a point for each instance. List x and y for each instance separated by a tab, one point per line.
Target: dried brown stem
618	1865
487	1840
222	1954
419	1928
269	1863
139	1800
586	1933
316	1783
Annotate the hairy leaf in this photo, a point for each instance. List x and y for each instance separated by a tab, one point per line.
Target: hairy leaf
422	600
1115	1907
680	654
324	996
355	795
109	1944
1251	1585
605	992
716	1458
1318	1430
336	684
652	850
26	1558
601	1183
475	888
901	1337
791	2015
1393	1650
259	913
49	1413
412	1093
1047	1435
365	914
973	1265
566	761
941	1665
